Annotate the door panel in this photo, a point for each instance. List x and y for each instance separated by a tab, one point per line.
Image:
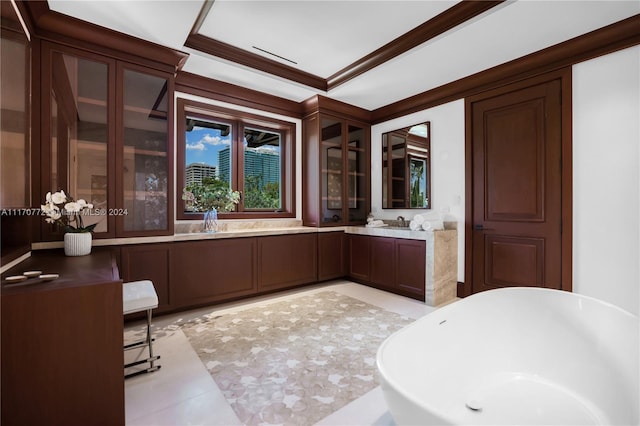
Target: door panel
517	189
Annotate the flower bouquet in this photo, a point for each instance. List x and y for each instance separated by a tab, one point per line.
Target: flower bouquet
66	212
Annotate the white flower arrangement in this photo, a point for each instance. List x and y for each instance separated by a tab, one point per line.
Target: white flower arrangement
66	212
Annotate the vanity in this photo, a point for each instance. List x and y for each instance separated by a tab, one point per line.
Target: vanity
417	264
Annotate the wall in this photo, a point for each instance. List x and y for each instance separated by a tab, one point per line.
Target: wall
447	167
606	160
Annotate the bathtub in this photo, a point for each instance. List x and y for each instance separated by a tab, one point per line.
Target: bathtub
515	356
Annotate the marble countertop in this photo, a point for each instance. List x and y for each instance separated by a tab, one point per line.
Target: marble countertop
191	232
393	232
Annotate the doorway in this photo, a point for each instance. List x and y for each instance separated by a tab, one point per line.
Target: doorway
519	186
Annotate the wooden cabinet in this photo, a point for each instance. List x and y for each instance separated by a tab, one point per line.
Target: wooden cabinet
359	257
394	264
106	137
210	271
286	261
336	169
382	261
149	262
410	259
62	342
331	255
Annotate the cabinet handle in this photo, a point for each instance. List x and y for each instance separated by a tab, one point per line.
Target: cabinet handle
480	227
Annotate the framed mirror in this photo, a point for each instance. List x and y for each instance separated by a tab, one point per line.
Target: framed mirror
406	168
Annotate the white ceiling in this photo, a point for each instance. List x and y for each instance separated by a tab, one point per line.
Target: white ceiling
325	36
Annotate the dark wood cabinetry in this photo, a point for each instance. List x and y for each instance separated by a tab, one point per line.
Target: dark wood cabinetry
62	342
331	255
149	262
359	257
286	261
107	138
382	261
410	258
210	271
393	264
336	167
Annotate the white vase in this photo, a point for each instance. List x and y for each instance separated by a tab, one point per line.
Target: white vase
77	243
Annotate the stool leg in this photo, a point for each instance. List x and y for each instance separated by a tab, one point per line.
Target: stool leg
151	360
149	339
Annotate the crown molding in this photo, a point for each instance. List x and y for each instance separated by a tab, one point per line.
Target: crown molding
450	18
614	37
60	28
226	92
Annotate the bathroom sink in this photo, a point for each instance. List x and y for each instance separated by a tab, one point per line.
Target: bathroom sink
395	227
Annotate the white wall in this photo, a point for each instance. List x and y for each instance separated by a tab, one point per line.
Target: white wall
447	167
606	190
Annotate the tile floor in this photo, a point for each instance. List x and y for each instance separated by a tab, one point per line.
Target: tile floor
183	393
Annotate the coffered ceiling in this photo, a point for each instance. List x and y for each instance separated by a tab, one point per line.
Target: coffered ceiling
362	52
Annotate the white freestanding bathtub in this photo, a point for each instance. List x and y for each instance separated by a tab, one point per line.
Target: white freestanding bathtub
515	356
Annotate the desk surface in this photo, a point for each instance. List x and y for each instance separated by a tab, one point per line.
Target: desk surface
95	268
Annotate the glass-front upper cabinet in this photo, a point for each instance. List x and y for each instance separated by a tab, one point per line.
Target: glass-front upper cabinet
336	168
145	165
105	140
76	122
15	134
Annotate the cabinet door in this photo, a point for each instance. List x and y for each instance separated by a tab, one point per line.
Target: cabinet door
359	257
77	127
203	272
149	262
145	153
332	168
410	267
357	173
383	262
286	261
330	255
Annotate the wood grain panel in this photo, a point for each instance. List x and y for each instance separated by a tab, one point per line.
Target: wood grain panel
149	262
359	257
331	253
208	271
410	266
514	261
383	265
286	261
515	163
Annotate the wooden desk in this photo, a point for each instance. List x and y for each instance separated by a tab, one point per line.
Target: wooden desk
62	359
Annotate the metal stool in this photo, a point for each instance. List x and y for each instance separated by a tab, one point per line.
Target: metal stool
140	296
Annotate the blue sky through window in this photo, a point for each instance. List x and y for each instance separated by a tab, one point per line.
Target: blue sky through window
204	144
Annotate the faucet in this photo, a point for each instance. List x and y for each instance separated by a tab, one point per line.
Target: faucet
401	221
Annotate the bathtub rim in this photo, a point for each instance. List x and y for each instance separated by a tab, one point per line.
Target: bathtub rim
442	416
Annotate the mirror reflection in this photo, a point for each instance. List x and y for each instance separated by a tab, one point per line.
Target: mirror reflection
406	168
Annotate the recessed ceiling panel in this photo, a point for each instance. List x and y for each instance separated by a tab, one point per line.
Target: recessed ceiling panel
318	37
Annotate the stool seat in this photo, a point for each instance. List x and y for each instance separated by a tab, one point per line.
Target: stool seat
138	296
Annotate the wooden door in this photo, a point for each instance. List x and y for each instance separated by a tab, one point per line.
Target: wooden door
516	150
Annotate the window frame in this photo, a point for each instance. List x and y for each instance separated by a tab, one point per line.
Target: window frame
239	120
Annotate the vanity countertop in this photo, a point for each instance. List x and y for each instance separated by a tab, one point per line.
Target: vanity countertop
396	232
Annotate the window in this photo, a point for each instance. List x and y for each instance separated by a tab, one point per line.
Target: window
249	153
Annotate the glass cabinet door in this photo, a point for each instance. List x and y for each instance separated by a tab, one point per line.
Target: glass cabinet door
145	163
79	133
357	185
331	152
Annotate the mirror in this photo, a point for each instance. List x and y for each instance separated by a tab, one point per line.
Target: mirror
406	168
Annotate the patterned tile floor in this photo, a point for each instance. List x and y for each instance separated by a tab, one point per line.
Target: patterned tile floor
183	392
